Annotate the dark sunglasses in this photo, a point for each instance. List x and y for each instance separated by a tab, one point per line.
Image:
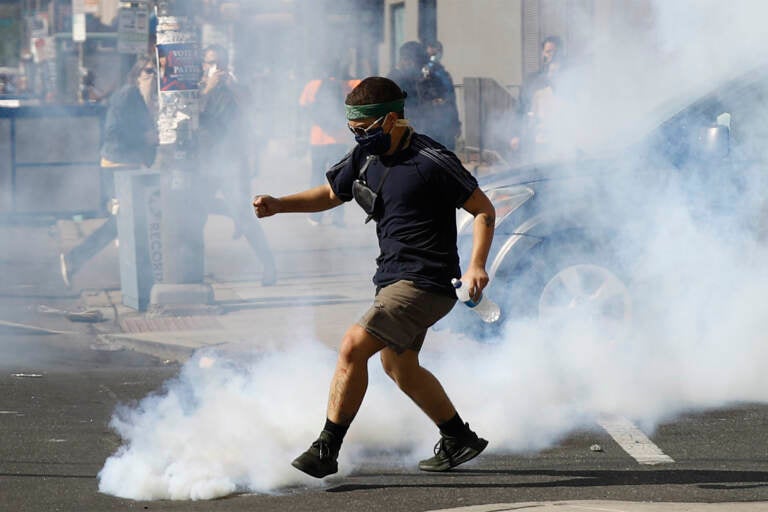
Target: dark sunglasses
149	71
362	132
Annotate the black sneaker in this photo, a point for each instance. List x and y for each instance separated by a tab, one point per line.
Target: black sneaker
452	451
320	460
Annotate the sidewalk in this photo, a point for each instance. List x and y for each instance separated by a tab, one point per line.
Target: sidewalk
324	276
324	284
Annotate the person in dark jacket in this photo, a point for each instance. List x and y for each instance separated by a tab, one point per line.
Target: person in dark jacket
430	99
408	75
129	142
439	99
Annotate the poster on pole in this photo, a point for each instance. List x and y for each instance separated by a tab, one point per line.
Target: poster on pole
180	71
132	30
180	67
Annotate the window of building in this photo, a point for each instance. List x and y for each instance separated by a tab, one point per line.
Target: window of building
428	20
10	35
397	21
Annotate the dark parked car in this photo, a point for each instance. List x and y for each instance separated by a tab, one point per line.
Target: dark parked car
573	236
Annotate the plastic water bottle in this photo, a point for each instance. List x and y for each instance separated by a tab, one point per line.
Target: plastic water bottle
486	309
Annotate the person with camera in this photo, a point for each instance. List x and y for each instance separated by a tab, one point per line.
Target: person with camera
431	100
436	92
408	74
411	186
224	158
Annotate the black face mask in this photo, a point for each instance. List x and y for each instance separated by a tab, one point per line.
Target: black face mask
376	142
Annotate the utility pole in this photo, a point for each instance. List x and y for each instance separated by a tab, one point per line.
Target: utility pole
183	218
79	37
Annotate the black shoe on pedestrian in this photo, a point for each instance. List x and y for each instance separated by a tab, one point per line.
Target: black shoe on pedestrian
452	451
320	460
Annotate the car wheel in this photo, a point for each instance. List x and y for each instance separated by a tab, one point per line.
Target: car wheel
588	294
561	283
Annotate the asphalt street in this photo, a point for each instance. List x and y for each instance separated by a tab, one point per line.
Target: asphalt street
54	425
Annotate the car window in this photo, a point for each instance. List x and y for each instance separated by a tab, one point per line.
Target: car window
678	141
731	123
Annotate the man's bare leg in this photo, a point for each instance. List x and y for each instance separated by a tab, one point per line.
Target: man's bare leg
418	383
348	386
458	444
350	380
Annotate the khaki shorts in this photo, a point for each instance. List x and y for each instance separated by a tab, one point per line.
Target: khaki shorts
402	313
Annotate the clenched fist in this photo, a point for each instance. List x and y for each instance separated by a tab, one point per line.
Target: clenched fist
265	206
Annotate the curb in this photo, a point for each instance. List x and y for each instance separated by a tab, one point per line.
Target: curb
164	351
613	506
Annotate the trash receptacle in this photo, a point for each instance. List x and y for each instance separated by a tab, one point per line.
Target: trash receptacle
139	230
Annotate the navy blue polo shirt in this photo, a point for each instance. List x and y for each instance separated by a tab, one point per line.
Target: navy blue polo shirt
416	211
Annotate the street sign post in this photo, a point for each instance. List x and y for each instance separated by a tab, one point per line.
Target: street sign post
133	28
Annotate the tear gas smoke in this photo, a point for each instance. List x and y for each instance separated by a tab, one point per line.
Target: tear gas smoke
630	75
699	283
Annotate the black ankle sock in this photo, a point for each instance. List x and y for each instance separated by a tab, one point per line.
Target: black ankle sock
454	427
337	430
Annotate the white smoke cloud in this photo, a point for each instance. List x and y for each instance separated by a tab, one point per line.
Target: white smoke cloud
697	278
223	426
236	426
631	74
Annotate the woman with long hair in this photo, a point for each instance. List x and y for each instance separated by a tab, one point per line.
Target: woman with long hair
129	142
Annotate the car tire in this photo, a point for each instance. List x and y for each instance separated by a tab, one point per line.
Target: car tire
566	279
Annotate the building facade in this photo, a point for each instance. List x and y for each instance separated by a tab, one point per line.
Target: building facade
501	39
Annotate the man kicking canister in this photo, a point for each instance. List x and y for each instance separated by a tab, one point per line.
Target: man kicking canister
410	185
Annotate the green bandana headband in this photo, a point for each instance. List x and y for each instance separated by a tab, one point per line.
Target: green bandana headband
355	112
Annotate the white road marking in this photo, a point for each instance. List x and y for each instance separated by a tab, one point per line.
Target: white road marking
633	441
13	326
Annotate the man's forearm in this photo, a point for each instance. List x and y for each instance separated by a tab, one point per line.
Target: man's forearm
482	236
313	200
